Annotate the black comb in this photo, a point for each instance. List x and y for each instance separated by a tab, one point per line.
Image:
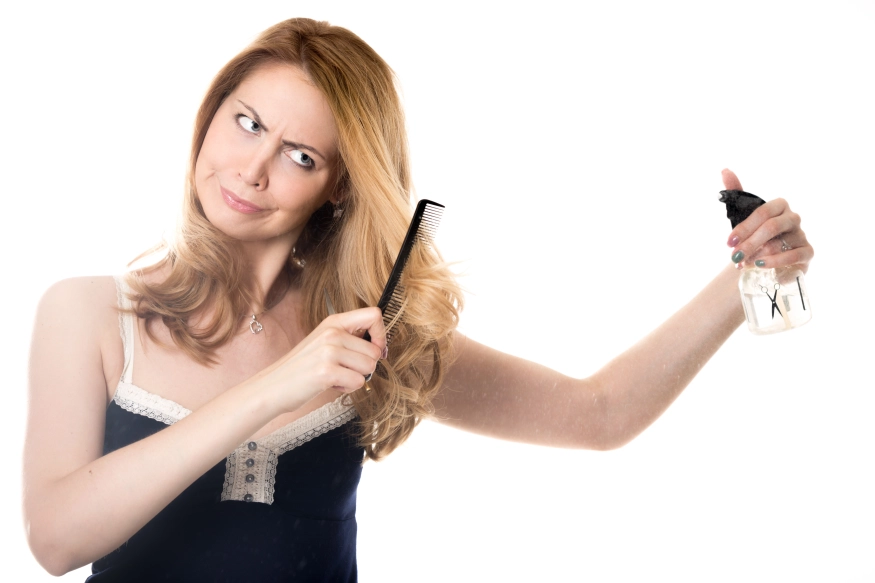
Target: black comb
422	229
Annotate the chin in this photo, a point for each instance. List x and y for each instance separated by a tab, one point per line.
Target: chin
252	234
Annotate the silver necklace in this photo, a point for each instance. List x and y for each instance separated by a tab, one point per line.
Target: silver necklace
254	325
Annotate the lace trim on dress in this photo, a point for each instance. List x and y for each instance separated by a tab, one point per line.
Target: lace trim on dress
136	400
250	471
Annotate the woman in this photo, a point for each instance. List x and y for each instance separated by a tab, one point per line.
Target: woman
212	421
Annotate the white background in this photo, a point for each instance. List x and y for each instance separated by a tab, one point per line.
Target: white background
578	152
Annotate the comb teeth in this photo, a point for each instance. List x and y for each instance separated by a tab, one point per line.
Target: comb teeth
393	307
431	218
423	228
393	310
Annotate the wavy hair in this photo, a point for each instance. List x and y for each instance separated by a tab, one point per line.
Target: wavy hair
348	259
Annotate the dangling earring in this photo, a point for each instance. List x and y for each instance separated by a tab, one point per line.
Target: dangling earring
298	261
338	211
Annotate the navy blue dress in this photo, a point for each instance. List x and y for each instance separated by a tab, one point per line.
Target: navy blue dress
281	508
307	533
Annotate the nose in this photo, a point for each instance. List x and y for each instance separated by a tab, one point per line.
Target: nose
256	169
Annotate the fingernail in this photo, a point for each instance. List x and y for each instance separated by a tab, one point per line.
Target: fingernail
733	241
368	377
760	263
385	354
737	256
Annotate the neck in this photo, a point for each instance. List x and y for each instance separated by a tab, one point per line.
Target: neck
265	262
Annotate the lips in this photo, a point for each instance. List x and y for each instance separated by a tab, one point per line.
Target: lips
238	204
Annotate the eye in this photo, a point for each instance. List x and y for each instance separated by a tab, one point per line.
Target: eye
248	124
301	158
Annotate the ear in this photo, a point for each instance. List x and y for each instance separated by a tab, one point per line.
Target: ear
341	190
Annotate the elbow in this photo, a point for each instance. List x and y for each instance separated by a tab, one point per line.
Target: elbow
611	422
602	437
49	551
56	570
615	433
602	427
605	433
54	562
610	442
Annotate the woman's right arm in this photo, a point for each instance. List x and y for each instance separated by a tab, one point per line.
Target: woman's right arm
80	505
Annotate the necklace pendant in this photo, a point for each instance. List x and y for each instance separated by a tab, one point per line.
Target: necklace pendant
255	326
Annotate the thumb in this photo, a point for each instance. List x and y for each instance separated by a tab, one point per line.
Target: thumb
730	180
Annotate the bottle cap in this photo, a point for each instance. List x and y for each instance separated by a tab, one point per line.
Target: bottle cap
739	204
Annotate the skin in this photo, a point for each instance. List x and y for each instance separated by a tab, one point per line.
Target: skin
507	397
77	501
271	144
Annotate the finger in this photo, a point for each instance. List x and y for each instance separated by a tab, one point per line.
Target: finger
765	223
787	249
344	369
772	247
770	229
363	364
337	337
359	320
365	323
376	332
348	381
798	256
730	180
794	239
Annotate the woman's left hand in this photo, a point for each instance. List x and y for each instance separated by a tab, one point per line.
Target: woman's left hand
770	237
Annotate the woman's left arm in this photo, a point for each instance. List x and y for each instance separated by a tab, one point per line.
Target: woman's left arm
492	393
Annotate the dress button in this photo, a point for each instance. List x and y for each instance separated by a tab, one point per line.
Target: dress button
247	498
252	446
250	478
250	462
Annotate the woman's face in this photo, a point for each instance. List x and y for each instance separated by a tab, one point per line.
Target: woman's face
268	159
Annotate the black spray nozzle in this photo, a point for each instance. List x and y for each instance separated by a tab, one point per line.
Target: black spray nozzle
739	204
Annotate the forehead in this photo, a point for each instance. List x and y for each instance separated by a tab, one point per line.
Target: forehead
289	105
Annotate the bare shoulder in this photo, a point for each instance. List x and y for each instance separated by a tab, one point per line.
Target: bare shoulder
84	304
80	316
80	292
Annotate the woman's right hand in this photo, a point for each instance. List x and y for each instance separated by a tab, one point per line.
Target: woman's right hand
333	356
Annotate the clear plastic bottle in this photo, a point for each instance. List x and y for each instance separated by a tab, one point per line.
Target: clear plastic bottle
774	300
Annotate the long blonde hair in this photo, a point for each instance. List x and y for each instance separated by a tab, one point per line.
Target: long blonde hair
349	259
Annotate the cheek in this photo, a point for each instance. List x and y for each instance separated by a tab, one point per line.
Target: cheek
220	144
296	199
307	194
212	156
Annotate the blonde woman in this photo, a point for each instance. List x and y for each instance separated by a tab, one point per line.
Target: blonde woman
206	418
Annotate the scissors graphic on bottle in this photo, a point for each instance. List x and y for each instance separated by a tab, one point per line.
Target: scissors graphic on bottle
774	299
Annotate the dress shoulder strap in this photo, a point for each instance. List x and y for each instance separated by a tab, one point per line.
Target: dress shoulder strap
126	326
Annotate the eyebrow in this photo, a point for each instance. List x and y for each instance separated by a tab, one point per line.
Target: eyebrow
257	119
